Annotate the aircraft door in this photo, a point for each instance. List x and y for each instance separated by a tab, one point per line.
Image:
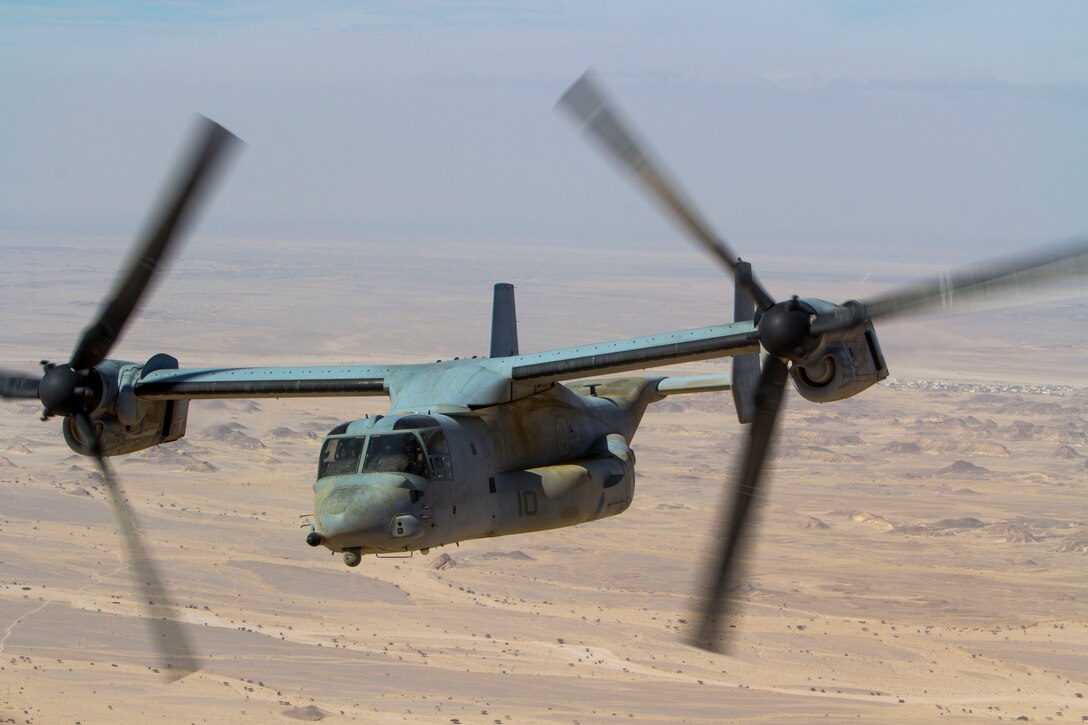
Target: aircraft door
438	502
461	500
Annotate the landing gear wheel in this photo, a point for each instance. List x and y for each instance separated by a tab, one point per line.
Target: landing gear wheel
352	557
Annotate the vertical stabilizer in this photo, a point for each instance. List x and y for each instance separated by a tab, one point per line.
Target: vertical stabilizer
745	367
504	322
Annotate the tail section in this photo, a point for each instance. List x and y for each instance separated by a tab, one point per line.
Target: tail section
504	322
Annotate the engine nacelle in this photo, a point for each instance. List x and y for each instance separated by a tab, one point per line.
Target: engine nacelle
125	423
549	497
845	363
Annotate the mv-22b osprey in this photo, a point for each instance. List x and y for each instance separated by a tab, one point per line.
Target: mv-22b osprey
507	444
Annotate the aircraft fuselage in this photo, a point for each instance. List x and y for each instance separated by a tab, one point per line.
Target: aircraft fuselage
413	481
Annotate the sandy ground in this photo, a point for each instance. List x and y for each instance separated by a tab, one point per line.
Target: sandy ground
921	556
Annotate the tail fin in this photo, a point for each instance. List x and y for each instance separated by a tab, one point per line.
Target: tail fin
504	322
745	367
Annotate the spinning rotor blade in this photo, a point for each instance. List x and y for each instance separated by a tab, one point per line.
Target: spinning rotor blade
591	109
178	205
18	385
1068	262
175	652
722	576
790	331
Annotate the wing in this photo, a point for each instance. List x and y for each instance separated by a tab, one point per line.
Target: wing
279	382
423	380
637	353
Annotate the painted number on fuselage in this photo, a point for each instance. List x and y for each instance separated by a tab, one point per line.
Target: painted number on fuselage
527	503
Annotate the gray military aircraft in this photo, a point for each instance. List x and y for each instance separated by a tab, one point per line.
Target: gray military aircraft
508	444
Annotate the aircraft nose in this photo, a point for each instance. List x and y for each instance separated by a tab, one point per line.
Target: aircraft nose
357	511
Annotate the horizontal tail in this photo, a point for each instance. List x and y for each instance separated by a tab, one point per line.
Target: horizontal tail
695	384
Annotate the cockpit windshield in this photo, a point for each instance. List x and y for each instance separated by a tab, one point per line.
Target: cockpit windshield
425	454
340	456
396	452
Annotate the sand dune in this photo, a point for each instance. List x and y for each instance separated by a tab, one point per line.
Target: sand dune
962	491
811	522
962	468
1015	533
828	438
1073	545
945	446
813	453
939	528
864	517
231	434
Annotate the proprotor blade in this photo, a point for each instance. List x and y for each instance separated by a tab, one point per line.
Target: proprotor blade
18	385
176	209
745	367
1068	262
175	651
589	106
722	573
994	281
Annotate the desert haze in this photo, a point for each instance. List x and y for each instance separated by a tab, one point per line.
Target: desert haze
921	552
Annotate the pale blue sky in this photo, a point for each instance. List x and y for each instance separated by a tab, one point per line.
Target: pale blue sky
806	125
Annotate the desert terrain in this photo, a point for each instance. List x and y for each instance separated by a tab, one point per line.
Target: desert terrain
921	553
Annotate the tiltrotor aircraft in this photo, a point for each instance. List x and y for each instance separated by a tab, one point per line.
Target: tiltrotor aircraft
508	444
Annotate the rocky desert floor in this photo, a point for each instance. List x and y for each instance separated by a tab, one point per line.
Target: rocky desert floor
921	555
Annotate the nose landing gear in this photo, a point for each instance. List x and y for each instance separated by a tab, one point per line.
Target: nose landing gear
352	556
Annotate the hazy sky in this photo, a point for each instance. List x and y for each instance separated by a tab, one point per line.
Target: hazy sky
808	125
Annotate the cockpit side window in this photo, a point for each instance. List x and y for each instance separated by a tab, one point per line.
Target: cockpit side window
438	453
396	453
340	456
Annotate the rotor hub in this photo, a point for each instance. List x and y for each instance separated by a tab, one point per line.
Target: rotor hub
64	391
784	330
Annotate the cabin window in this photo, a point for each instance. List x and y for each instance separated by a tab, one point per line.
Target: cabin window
340	456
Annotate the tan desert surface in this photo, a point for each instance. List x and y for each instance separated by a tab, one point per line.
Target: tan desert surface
921	555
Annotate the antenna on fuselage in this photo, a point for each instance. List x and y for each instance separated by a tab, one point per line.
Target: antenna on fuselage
504	322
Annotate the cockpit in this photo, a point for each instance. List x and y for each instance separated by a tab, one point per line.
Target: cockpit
421	452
